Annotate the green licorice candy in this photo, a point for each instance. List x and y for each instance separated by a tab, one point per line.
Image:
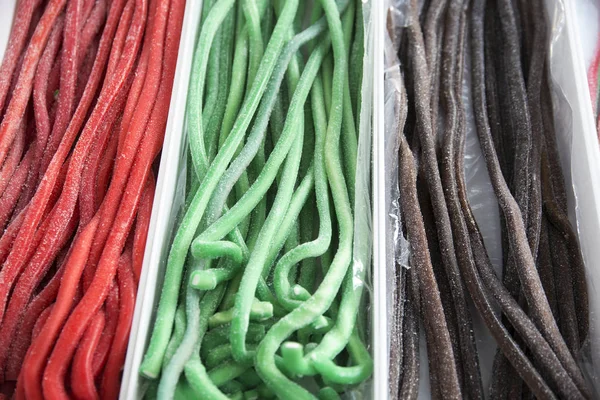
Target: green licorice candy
251	395
312	331
292	241
250	379
347	375
232	388
308	215
256	136
177	335
212	71
244	206
239	78
213	74
201	383
198	313
323	297
335	340
208	279
226	372
254	140
239	22
232	288
213	127
234	250
220	335
237	93
258	216
168	303
267	24
183	391
356	61
328	393
206	7
215	250
220	354
196	139
294	67
293	357
191	183
298	201
350	140
317	247
326	75
277	117
308	267
227	296
315	14
256	263
255	36
151	390
348	26
309	139
238	85
264	392
259	311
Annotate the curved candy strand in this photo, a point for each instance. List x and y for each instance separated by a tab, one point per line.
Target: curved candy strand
195	212
320	301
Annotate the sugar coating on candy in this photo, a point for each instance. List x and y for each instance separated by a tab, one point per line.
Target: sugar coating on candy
215	230
513	125
44	179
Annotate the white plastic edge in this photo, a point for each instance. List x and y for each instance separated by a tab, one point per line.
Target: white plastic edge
380	324
585	164
163	201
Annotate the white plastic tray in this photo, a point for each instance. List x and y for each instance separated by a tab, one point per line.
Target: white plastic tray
163	219
584	167
580	158
161	222
380	340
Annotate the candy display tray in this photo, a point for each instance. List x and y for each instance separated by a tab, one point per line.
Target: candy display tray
580	157
167	203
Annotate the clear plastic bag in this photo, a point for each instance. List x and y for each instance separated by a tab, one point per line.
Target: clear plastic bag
579	158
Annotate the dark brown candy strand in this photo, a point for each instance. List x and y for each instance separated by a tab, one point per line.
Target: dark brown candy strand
534	88
510	307
433	34
399	300
438	270
545	267
563	242
409	387
464	346
448	377
452	73
537	302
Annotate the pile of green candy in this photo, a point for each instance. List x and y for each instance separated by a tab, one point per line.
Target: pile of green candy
261	295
